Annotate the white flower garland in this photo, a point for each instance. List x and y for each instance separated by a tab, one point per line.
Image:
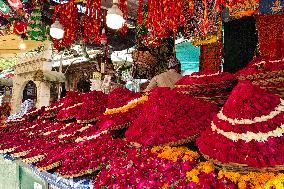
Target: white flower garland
272	114
249	136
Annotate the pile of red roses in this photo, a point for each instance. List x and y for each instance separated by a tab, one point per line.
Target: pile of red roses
248	130
120	97
94	105
90	155
71	105
139	168
206	83
170	117
34	114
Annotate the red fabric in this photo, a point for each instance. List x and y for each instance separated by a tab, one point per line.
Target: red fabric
271	35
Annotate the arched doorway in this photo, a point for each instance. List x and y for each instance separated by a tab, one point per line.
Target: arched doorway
30	92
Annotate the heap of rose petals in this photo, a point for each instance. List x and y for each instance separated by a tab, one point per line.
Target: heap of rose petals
248	130
94	105
120	97
142	169
90	155
207	84
169	117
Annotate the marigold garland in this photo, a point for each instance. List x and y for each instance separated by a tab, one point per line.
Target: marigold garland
128	106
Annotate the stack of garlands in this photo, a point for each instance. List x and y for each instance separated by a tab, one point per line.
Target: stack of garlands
94	105
206	84
72	104
248	131
268	73
123	107
170	118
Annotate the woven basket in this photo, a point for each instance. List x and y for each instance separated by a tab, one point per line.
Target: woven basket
271	81
8	150
87	121
143	59
119	127
182	141
82	173
20	154
33	159
242	168
219	100
51	166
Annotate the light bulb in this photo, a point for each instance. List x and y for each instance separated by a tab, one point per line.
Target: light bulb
22	46
57	30
114	18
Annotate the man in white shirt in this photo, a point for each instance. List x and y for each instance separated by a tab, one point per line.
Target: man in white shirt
168	78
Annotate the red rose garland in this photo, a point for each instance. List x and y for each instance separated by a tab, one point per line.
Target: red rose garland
69	19
123	7
140	12
92	21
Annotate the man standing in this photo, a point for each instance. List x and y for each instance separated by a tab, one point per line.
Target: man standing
168	78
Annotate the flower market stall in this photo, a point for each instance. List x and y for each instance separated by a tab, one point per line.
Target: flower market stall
221	127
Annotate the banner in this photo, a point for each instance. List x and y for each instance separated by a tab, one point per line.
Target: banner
271	6
4	9
15	4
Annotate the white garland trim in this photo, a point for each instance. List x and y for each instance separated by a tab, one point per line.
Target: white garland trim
279	109
249	136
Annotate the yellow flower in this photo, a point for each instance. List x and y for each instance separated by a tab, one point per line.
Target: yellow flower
206	167
173	153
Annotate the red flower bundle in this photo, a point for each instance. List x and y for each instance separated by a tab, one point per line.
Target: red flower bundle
89	155
207	85
71	105
140	168
268	73
169	117
94	105
248	130
120	97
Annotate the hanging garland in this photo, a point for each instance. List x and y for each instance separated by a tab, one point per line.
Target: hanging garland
165	17
140	12
123	7
36	29
68	14
92	21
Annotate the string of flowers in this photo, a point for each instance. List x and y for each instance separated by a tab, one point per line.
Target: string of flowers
92	21
123	7
129	105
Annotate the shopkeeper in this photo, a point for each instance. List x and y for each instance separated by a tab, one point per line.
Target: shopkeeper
168	78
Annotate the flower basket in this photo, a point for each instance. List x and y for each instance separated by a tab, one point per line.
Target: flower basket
87	121
7	150
212	87
182	141
50	166
247	133
242	168
144	59
20	154
34	159
82	173
266	73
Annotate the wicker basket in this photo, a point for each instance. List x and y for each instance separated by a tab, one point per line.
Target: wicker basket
271	81
182	141
219	100
51	166
33	159
242	168
82	173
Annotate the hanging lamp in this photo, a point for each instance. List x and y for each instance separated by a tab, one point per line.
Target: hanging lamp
114	18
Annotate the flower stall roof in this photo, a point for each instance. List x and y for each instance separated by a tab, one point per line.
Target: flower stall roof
9	45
